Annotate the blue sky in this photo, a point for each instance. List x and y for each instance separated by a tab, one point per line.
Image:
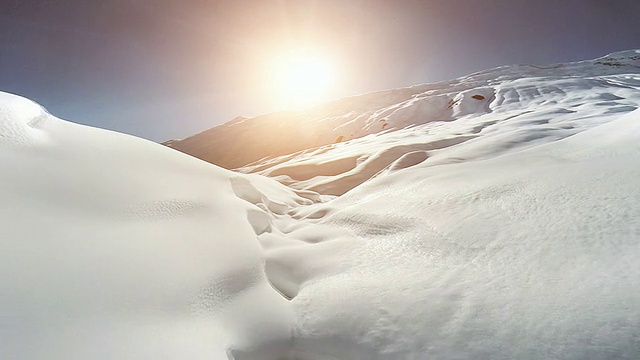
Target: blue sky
164	69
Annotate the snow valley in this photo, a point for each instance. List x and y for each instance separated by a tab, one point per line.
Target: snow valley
493	216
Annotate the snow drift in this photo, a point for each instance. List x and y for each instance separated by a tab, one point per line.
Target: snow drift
495	216
115	247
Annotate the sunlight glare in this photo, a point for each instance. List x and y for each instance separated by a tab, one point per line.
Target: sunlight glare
301	79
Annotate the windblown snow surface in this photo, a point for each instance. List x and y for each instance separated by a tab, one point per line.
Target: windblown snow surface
495	216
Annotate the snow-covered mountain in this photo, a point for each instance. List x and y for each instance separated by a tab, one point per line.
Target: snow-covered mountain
495	216
485	102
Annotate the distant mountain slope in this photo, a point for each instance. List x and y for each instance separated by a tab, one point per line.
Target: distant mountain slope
491	97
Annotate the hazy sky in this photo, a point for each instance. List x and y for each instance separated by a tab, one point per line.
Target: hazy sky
165	69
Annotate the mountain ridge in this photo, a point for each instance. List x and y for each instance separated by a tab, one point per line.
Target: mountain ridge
468	107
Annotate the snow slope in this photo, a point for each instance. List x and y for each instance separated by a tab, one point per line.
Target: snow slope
486	114
113	247
529	255
496	216
573	94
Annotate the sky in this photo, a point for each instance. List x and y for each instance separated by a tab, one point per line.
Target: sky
167	69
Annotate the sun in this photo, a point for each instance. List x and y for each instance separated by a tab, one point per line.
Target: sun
301	78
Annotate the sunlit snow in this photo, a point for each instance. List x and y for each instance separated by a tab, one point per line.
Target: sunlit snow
494	216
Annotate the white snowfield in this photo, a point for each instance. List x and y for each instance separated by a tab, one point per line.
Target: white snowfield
506	227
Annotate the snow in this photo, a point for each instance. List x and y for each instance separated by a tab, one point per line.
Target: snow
487	259
115	247
494	216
